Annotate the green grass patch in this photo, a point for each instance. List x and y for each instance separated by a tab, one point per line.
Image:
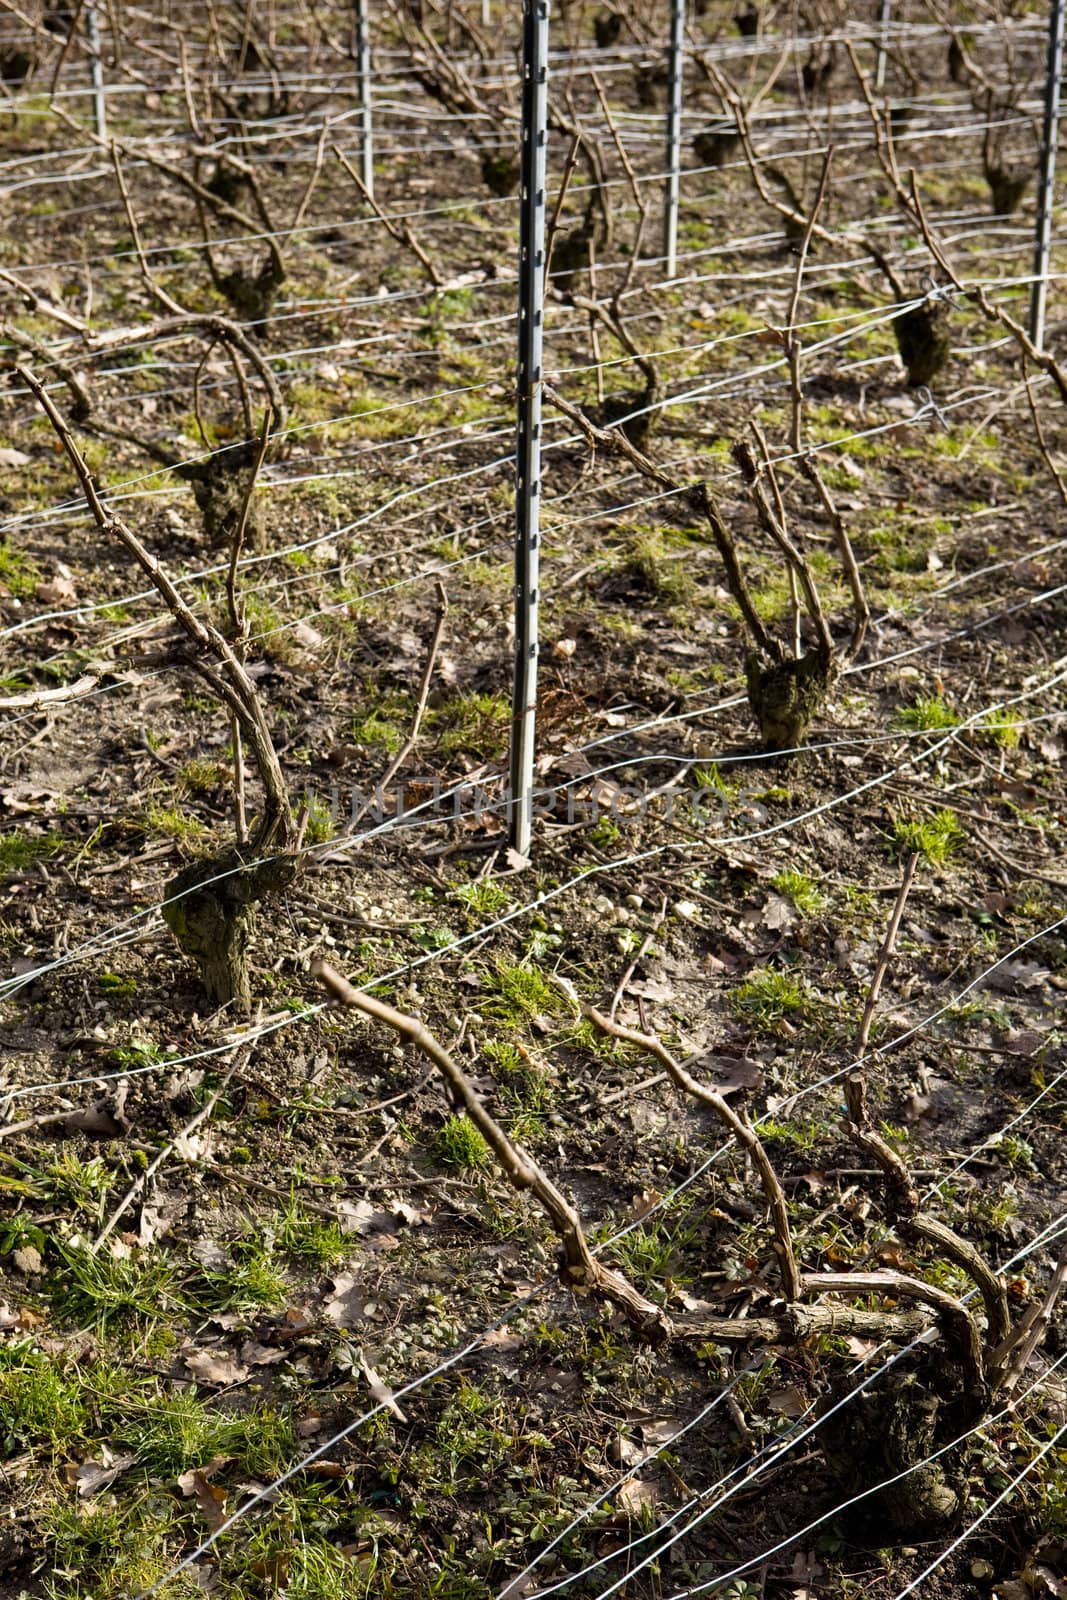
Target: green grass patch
768	999
936	838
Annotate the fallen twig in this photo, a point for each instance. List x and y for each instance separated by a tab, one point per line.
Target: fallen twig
885	954
741	1129
580	1269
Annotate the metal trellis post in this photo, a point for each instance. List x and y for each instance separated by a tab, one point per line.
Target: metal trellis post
533	159
1047	176
883	42
97	70
675	73
363	72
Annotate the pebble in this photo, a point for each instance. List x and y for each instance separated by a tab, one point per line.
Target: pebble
686	908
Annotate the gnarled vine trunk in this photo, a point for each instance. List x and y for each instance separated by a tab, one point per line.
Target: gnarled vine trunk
211	910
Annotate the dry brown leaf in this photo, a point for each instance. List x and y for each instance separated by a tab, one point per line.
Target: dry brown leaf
94	1475
652	989
1013	975
214	1367
210	1498
779	914
635	1494
787	1402
27	1259
254	1354
359	1216
501	1339
380	1391
211	1254
187	1481
158	1216
58	591
97	1120
658	1430
1024	1043
347	1303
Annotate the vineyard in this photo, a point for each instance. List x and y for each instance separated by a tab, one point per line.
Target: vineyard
533	929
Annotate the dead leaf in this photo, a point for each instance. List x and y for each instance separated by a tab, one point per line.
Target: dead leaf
254	1354
645	1203
158	1216
635	1494
1045	1581
346	1306
1012	975
27	1259
97	1120
652	989
94	1475
187	1484
380	1391
211	1254
625	1452
10	457
779	914
730	1074
58	591
193	1146
501	1339
307	637
520	1587
1026	1042
214	1367
787	1402
210	1498
660	1430
359	1216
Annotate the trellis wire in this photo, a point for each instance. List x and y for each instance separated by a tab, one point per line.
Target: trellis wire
100	943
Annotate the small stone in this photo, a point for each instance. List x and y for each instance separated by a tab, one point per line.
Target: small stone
982	1571
603	906
635	901
686	908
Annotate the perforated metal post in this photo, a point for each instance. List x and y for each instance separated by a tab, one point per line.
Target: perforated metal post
533	157
883	42
96	68
1046	182
675	74
363	73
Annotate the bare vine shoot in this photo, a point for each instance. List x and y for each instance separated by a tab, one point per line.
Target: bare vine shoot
533	914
